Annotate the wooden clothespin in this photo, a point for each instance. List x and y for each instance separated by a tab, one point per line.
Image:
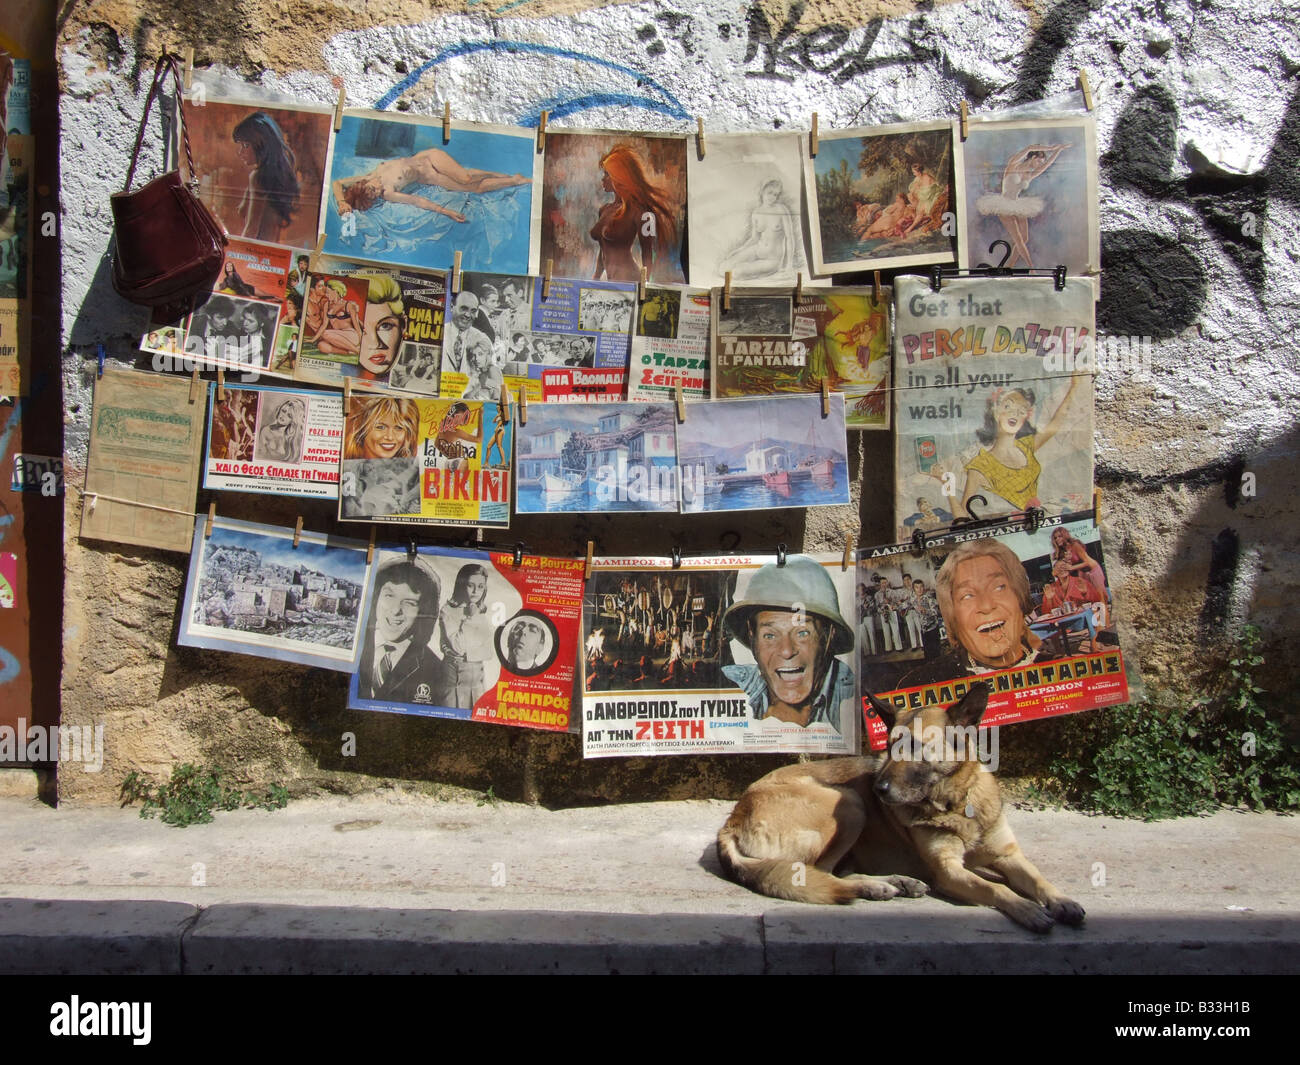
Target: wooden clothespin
312	263
798	286
1087	89
875	287
699	136
681	403
221	385
212	516
848	552
541	131
812	136
523	404
455	273
194	384
965	120
640	285
726	291
505	403
297	531
826	397
546	278
370	549
446	122
586	569
1096	506
338	108
189	68
347	395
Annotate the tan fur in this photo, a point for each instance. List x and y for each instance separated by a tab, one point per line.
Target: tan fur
888	825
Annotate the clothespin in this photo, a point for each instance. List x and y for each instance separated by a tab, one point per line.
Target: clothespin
640	286
826	397
1087	89
212	516
798	286
541	132
965	120
546	278
812	136
726	291
875	287
194	384
586	569
848	552
410	550
676	550
699	136
370	548
189	67
681	403
347	395
221	385
781	551
1096	506
338	108
297	531
446	122
315	255
519	554
523	404
100	353
505	403
455	273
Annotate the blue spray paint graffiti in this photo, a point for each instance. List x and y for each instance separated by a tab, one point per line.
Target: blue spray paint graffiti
9	667
559	106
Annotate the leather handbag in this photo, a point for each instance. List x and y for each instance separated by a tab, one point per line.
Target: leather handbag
168	246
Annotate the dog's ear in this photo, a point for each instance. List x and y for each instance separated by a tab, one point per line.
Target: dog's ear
884	710
970	708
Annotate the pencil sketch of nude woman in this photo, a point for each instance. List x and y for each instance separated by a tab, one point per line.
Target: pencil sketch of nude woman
433	166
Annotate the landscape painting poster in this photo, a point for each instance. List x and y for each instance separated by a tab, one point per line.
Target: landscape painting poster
589	458
884	197
992	398
425	461
745	654
670	347
614	204
767	343
1029	613
279	441
763	454
398	195
471	635
252	590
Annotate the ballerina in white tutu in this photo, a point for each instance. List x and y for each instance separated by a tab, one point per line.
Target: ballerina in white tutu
1012	207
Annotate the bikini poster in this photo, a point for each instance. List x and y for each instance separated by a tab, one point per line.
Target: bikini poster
471	635
1033	184
883	197
988	401
260	166
425	462
400	196
746	208
743	654
767	343
279	441
670	347
1029	613
614	204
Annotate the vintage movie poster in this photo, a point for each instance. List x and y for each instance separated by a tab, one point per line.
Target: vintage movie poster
15	112
746	208
1029	613
992	398
884	197
583	458
614	204
726	655
1033	184
670	346
261	165
15	262
763	454
471	635
253	590
376	325
146	442
279	441
398	195
425	462
501	330
766	343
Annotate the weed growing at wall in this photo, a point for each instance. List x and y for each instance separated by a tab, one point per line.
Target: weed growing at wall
193	793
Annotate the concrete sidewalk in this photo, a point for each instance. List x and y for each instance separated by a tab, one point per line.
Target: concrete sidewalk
398	882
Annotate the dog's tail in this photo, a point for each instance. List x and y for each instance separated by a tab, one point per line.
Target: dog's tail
781	878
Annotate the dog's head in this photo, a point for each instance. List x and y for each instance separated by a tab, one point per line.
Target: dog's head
928	749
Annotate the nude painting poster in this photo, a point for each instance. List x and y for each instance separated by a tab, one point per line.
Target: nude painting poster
992	398
614	204
884	197
399	195
1032	183
260	166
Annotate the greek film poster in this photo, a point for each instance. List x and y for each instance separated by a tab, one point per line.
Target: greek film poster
670	347
471	635
992	398
1030	613
743	654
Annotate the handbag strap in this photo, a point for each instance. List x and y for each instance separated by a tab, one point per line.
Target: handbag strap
165	61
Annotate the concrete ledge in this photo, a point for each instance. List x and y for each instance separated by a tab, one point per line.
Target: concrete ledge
92	938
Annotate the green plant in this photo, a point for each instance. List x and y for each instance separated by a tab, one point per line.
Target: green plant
488	798
191	795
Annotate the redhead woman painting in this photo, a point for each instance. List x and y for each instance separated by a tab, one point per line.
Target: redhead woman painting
638	214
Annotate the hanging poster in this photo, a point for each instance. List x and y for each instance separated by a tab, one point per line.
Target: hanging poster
425	462
766	343
251	589
1030	613
1033	184
398	195
884	197
280	441
763	454
614	203
15	262
670	346
992	398
471	635
743	654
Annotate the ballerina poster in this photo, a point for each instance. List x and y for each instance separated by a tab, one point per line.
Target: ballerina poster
992	398
1033	184
613	204
884	196
398	195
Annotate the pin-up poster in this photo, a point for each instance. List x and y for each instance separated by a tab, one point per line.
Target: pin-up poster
425	461
563	341
1029	613
474	635
254	590
15	263
884	196
768	343
399	195
992	398
614	204
726	655
280	441
670	347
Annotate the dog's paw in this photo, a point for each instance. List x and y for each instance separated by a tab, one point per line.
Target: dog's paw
1030	915
908	885
873	888
1067	911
